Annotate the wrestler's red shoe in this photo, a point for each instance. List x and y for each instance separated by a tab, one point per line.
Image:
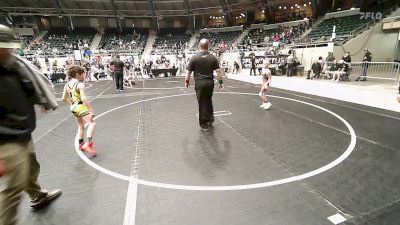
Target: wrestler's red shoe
88	147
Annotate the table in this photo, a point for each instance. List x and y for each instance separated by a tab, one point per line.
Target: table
157	72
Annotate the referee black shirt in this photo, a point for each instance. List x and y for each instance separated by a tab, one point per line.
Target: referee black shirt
118	65
203	65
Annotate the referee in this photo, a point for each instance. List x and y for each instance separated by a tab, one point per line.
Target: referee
203	65
119	68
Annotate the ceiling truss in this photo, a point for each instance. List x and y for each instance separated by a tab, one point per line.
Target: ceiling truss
149	12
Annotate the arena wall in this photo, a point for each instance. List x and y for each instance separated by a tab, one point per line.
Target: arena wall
307	55
381	43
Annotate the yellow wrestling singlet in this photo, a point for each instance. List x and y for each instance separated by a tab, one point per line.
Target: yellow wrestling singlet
77	107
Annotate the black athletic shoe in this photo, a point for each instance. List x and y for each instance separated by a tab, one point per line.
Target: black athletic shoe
205	127
40	203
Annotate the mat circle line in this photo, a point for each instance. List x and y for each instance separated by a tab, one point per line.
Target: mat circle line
315	172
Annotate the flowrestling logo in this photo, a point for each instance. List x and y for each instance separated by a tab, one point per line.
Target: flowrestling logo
370	15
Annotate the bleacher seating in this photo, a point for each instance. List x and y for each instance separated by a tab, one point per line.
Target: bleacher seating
216	39
344	27
130	41
171	41
24	40
257	37
63	41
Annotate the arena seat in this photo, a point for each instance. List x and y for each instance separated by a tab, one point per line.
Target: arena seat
59	38
25	40
63	41
128	41
257	37
217	38
171	41
344	26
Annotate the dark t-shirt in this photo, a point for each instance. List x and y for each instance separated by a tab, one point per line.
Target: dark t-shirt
347	59
17	114
87	66
367	57
334	67
316	67
203	65
118	65
253	62
343	67
128	65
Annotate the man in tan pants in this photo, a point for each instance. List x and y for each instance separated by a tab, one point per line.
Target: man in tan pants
19	169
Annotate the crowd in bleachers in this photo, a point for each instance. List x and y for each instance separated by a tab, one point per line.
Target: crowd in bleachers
171	41
128	41
259	38
220	42
24	40
58	43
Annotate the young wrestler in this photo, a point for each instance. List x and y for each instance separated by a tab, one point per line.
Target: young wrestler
266	76
74	95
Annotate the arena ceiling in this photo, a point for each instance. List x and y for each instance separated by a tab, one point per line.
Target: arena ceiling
130	8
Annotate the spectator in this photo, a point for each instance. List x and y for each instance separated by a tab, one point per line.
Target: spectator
36	63
96	71
316	69
342	69
290	64
398	94
266	39
330	57
55	65
333	67
364	67
347	58
235	67
253	64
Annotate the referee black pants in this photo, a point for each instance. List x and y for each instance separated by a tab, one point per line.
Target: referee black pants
253	69
204	92
119	80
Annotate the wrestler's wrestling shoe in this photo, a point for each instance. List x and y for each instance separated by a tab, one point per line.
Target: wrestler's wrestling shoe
267	105
88	147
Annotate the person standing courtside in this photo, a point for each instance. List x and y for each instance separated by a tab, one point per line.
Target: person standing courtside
290	64
202	65
364	67
253	64
119	68
21	87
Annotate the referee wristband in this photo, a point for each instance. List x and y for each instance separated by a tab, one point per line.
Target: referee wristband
221	82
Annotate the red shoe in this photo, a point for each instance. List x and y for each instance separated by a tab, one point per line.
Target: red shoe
88	147
81	145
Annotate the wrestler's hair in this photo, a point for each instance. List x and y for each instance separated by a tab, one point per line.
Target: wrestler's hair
75	70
